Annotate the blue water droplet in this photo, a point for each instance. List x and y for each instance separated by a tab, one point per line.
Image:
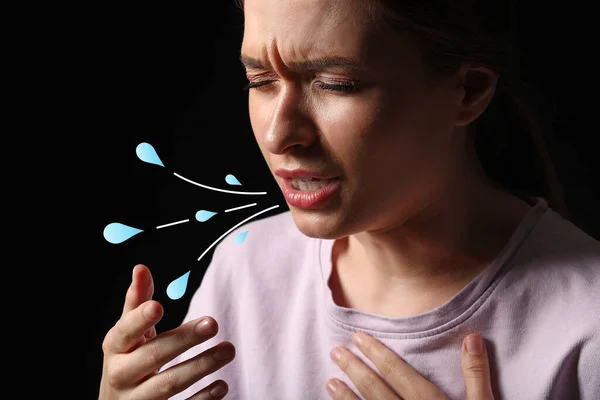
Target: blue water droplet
146	153
118	233
176	289
232	180
204	215
239	239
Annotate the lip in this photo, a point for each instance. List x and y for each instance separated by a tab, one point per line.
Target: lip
302	173
309	199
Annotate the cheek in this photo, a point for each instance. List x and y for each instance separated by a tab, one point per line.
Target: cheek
414	128
400	142
349	126
370	132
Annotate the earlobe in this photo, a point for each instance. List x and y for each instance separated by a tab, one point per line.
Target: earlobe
478	88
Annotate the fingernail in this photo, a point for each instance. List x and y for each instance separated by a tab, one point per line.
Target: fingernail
203	328
357	338
474	345
223	354
336	354
218	391
151	311
332	387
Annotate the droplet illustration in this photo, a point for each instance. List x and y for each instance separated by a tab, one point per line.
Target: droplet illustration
117	233
204	215
146	153
232	180
240	237
176	289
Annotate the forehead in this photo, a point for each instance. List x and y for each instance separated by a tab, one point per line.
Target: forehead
304	29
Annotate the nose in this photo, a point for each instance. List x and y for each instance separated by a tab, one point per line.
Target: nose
291	126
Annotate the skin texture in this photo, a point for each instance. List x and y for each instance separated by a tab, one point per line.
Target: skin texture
415	212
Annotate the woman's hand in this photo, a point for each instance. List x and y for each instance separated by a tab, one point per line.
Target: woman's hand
133	353
400	378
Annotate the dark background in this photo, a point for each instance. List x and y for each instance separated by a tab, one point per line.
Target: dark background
172	78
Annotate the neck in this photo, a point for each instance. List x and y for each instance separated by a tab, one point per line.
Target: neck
428	257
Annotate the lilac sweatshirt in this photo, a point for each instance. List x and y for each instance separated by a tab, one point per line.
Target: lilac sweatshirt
537	305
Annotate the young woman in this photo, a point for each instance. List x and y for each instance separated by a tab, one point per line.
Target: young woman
423	208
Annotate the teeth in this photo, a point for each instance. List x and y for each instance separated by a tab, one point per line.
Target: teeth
309	185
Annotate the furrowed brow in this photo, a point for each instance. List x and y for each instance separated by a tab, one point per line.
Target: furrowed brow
326	63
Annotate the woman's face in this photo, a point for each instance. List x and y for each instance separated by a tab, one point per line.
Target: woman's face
336	97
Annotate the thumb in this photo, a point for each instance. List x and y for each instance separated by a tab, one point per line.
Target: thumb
140	290
476	368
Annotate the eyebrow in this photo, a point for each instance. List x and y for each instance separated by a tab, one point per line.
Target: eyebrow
308	65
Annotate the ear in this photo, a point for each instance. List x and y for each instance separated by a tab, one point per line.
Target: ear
478	85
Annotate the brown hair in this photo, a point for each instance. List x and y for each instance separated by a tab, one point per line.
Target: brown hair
508	136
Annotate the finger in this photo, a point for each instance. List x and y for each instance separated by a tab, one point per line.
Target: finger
151	333
140	290
155	353
216	390
128	331
476	368
399	375
338	390
368	383
179	377
148	335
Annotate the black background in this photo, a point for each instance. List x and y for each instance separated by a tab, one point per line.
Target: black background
172	78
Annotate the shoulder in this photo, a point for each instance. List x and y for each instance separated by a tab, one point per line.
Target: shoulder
267	235
564	244
264	247
561	262
252	260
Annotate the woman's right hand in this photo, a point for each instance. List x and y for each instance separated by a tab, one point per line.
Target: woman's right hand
133	353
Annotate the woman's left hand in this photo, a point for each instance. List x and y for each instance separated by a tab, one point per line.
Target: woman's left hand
400	378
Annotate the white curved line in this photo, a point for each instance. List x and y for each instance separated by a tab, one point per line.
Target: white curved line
172	223
239	208
212	188
235	226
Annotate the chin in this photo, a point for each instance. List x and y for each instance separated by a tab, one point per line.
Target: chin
322	224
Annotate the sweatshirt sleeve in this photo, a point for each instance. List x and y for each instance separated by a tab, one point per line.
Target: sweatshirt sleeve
589	368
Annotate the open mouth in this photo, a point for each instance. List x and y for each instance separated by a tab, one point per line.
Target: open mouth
309	193
310	184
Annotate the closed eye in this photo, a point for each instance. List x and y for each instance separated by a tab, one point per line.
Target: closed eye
253	85
346	87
